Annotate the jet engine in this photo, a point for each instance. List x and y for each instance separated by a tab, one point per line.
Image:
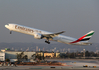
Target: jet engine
38	36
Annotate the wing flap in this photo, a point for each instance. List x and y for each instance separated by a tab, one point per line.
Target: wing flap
53	35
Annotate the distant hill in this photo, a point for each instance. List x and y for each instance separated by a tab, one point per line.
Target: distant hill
57	46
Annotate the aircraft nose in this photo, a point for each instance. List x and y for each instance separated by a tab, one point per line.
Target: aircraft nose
6	26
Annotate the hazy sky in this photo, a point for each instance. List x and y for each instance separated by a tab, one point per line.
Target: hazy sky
76	17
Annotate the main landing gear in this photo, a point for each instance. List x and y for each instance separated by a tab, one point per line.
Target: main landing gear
47	42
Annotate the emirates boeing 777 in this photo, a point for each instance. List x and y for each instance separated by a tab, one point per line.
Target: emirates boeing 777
48	36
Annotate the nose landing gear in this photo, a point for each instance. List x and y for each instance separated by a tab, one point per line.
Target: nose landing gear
10	32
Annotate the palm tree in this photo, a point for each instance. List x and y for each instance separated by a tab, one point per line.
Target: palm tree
21	57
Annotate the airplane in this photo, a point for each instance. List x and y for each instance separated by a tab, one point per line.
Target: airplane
49	36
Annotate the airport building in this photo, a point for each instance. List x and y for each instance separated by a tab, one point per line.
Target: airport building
12	55
51	55
2	56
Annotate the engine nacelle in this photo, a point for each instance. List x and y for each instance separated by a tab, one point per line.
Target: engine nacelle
38	36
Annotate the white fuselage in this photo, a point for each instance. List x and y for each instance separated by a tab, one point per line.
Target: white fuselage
32	31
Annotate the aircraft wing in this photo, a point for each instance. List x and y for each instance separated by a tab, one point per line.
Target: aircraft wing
52	35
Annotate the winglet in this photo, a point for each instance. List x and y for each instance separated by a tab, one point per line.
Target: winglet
86	37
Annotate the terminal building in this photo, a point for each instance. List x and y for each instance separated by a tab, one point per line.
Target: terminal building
2	56
12	55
